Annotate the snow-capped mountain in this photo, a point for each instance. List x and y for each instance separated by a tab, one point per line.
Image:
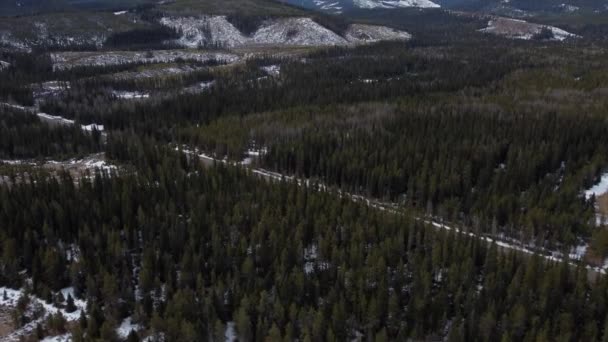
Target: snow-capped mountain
338	6
395	3
218	31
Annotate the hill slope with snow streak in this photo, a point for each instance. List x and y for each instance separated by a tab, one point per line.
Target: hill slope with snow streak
520	29
395	3
294	31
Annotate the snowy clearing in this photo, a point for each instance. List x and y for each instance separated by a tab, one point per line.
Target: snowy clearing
520	29
59	120
77	168
72	59
599	188
12	297
60	338
272	70
360	33
126	327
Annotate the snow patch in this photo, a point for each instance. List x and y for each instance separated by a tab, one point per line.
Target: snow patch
599	188
205	30
520	29
129	95
59	120
55	119
370	4
4	65
126	327
272	70
230	333
568	8
68	60
59	338
329	6
296	31
9	297
360	33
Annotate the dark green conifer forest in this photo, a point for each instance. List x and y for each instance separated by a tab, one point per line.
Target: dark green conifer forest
433	189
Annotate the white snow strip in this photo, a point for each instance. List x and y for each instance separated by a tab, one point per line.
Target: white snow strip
129	95
59	338
14	106
63	121
4	65
55	119
230	333
71	59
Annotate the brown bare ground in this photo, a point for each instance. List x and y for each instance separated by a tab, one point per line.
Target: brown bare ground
602	205
6	323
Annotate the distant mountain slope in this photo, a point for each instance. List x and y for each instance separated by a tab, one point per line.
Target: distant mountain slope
29	7
339	6
513	8
293	31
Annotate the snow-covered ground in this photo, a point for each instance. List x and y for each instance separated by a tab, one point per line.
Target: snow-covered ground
198	88
4	65
171	70
272	70
521	29
68	60
294	31
360	33
76	167
331	6
44	37
205	30
596	191
18	107
130	95
395	3
12	297
568	8
230	333
126	327
49	89
59	338
599	188
58	120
